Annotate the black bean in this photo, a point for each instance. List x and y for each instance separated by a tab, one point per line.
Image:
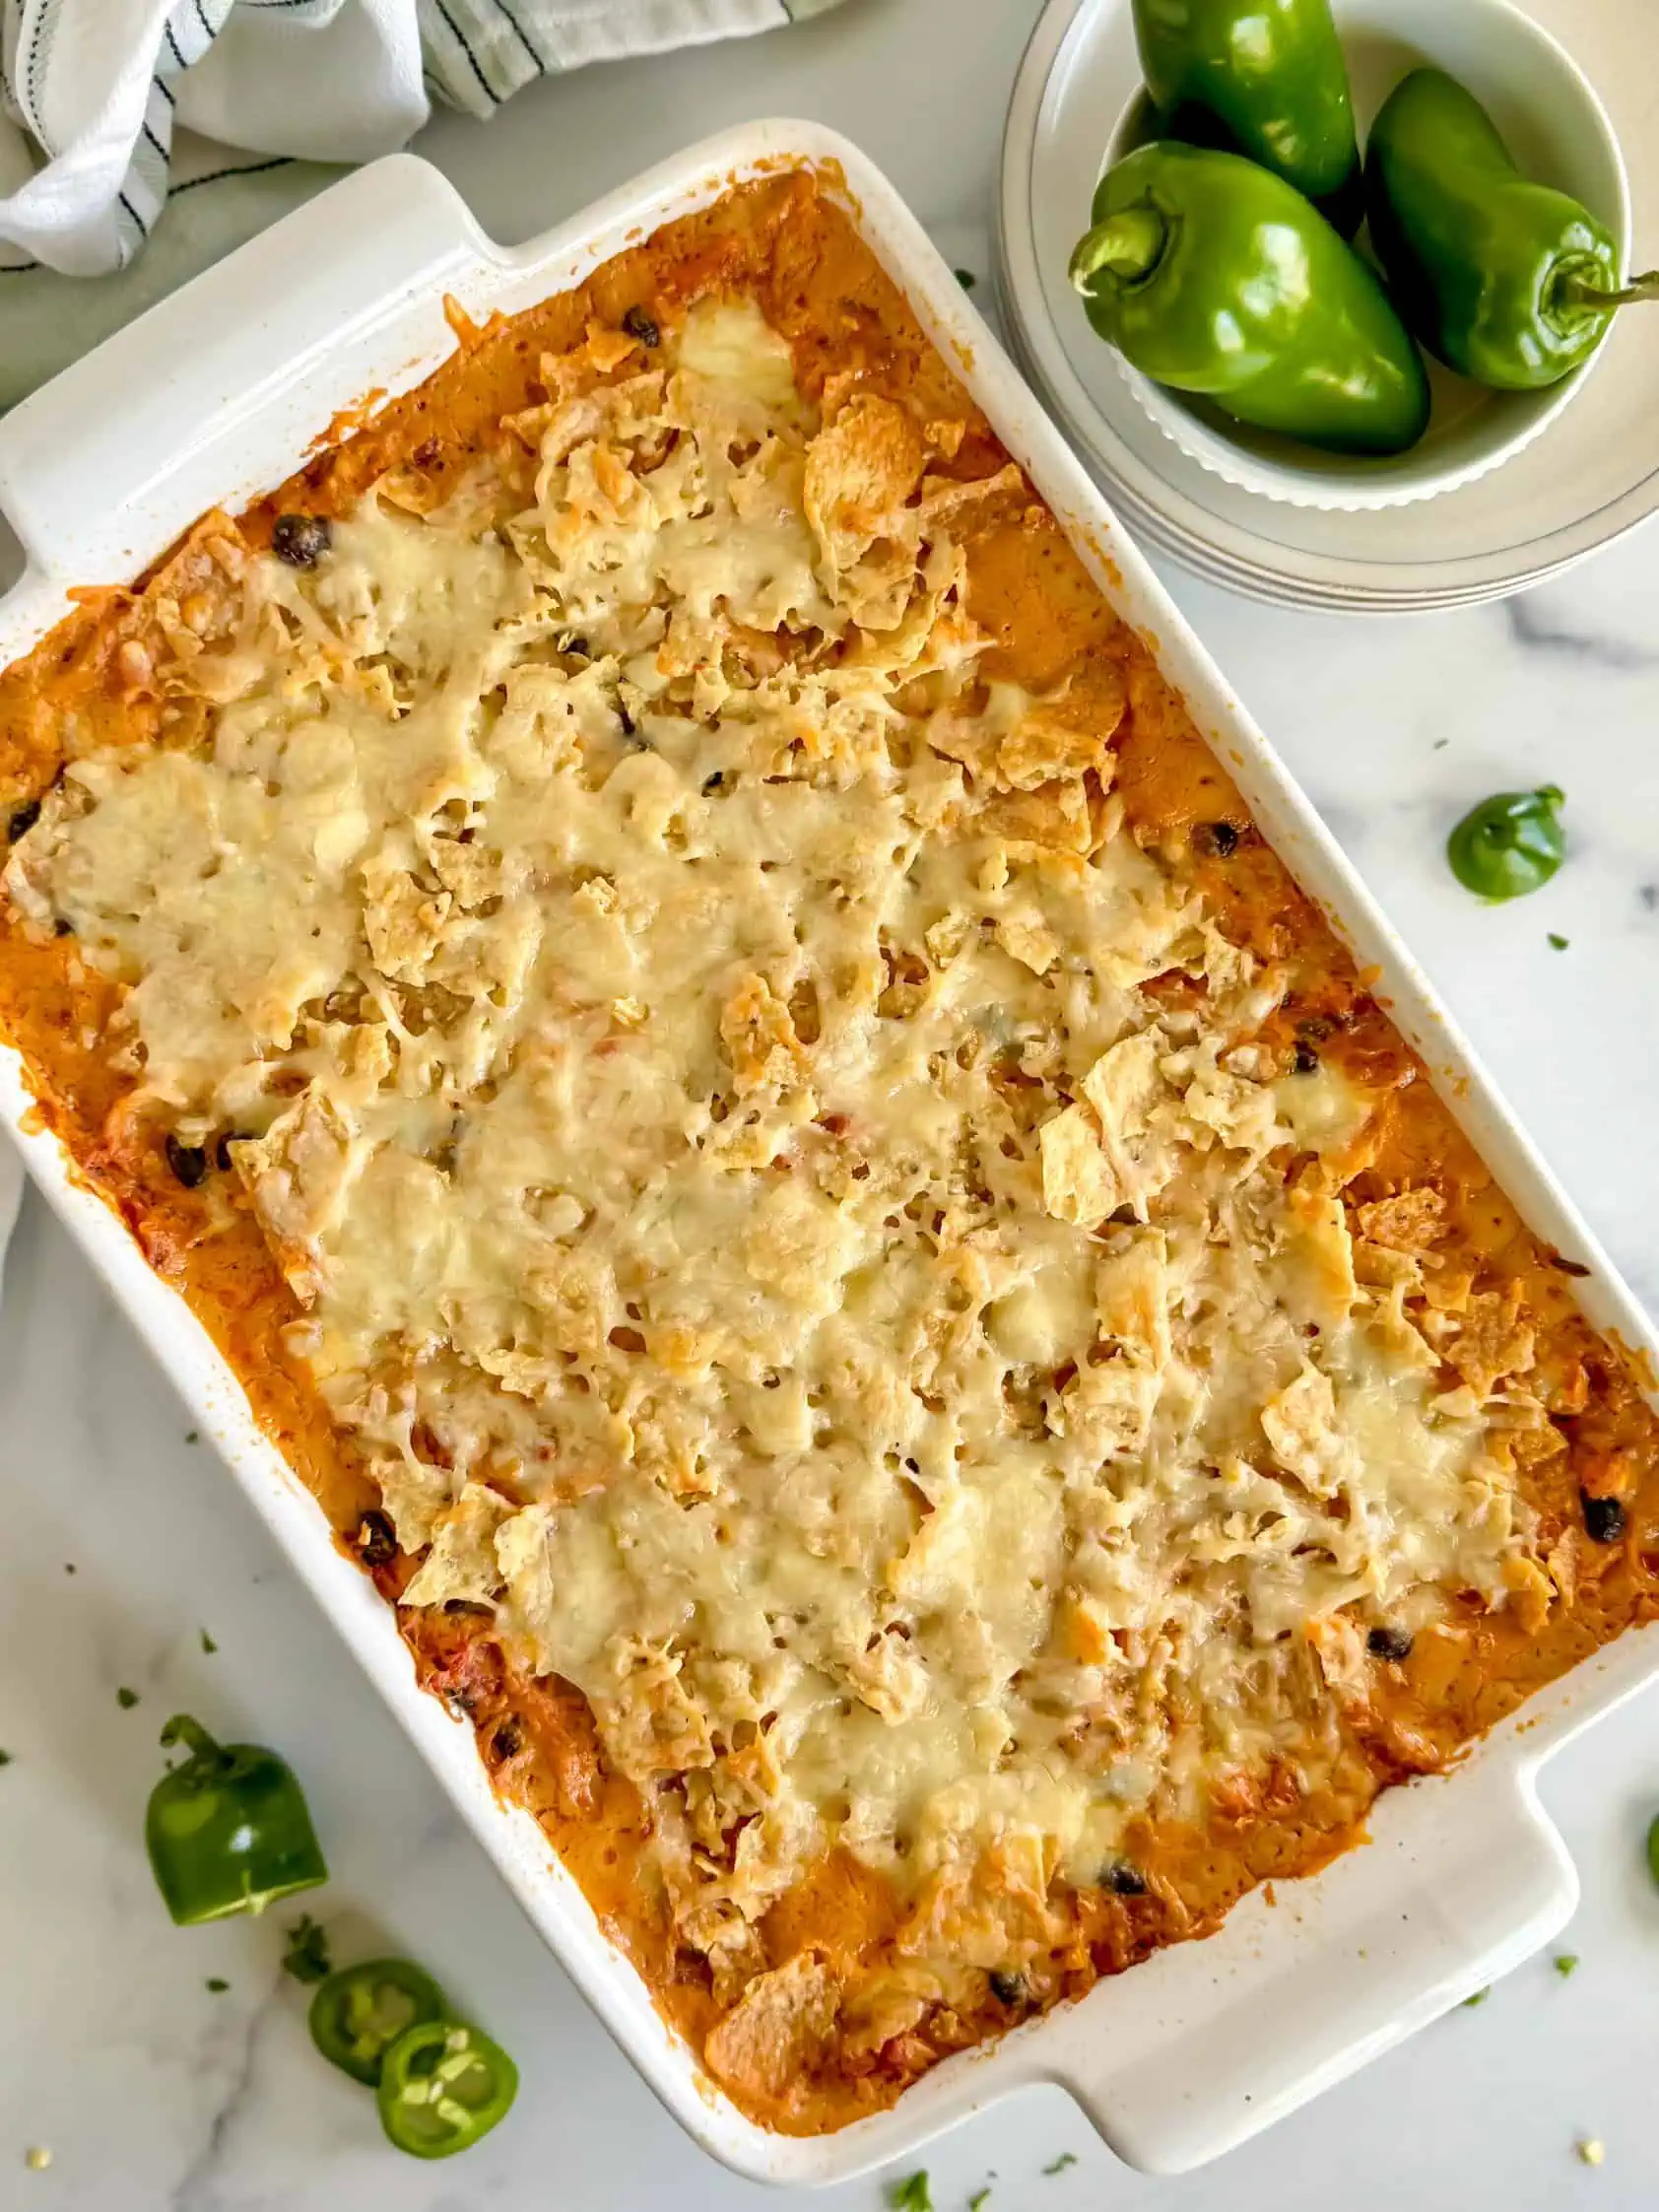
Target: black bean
1008	1988
1390	1643
1217	840
638	324
1124	1880
188	1161
1563	1266
1604	1519
375	1543
509	1739
23	818
1306	1061
300	540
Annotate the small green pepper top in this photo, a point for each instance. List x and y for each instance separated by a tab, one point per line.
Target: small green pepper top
1509	845
228	1830
1507	281
1262	78
1217	277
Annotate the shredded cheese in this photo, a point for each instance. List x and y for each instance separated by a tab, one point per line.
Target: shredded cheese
682	1031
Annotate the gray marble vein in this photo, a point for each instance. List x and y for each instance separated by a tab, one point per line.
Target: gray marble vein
198	2188
1535	631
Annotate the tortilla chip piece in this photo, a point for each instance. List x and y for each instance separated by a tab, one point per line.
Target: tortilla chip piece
1532	1592
799	1244
653	1724
1122	1083
1409	1221
413	1494
301	1173
1493	1340
861	469
777	2030
462	1561
759	1038
1052	818
1320	1260
1043	744
1132	1296
1078	1182
1301	1424
1447	1288
404	923
1122	1087
1239	1112
524	1559
1029	938
1107	1410
943	497
1382	1266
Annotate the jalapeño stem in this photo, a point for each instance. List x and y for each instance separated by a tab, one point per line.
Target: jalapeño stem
1574	292
1129	244
184	1728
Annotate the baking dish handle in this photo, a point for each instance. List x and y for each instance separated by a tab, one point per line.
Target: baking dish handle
1461	1878
103	467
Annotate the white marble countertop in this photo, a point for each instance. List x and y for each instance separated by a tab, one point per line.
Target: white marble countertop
122	1542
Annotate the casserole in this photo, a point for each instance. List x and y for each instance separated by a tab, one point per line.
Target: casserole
1279	822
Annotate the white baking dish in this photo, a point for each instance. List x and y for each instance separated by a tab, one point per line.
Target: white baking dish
212	397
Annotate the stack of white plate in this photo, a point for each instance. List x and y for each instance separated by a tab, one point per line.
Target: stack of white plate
1591	478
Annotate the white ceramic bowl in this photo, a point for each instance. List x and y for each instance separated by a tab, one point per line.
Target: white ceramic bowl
1558	131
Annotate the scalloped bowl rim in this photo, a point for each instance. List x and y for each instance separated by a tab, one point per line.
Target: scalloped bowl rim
1349	486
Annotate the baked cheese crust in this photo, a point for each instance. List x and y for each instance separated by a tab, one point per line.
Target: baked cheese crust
849	1235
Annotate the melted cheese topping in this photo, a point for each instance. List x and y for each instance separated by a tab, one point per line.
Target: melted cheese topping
682	1031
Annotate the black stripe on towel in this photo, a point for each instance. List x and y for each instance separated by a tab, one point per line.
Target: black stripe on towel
484	86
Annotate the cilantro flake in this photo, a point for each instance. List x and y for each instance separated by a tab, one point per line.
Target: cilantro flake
911	2195
306	1957
1565	1962
1060	2164
126	1699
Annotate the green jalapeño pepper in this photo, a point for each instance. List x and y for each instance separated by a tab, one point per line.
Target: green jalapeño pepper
359	2012
1509	845
1263	77
443	2086
227	1829
1216	277
1507	281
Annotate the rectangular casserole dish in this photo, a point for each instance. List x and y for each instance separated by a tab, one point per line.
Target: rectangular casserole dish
100	472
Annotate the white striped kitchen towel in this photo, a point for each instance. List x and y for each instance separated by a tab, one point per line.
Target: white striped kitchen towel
110	108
